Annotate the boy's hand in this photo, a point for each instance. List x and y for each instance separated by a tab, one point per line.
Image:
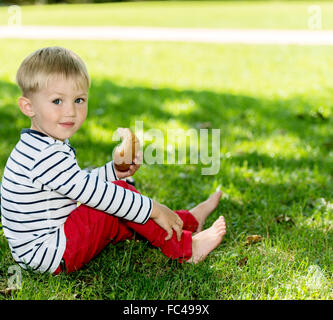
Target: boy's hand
167	219
132	169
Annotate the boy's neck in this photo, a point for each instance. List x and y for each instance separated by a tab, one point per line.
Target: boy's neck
35	131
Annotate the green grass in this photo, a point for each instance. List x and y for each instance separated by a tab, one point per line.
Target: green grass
240	14
273	105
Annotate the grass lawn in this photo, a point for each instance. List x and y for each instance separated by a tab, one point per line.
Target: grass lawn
240	14
273	105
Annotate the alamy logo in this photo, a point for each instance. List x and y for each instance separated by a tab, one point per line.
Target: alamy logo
203	146
15	16
15	278
315	18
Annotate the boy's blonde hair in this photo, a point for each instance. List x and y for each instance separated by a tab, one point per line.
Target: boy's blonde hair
43	64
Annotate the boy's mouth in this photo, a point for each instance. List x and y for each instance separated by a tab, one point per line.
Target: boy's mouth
67	124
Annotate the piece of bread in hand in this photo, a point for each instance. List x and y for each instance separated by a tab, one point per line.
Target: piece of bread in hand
124	154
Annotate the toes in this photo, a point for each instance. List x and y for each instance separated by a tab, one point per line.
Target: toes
220	225
221	220
218	194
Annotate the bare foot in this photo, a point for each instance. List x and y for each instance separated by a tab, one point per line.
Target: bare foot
204	209
206	241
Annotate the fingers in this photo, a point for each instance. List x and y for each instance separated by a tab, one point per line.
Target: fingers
130	172
169	234
122	175
136	164
178	230
138	159
177	227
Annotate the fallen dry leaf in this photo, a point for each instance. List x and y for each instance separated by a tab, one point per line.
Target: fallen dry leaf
253	239
77	296
7	291
242	262
284	219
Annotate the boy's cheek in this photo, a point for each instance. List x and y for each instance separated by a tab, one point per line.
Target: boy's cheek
83	116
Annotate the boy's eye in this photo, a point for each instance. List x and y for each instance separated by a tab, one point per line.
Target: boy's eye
77	100
56	101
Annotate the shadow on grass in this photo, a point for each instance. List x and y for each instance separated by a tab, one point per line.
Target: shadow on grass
112	106
256	160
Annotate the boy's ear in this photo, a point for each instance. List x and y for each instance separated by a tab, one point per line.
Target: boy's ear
26	106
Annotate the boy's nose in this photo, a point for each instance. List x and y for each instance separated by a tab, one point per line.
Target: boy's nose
70	110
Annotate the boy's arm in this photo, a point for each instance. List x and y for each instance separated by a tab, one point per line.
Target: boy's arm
56	168
107	172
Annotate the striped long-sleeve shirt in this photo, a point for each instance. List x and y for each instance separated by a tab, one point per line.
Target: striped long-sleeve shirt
41	186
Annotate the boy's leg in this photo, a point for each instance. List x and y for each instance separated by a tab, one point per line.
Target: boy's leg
151	231
88	231
172	248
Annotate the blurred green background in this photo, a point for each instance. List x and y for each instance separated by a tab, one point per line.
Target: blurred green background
197	14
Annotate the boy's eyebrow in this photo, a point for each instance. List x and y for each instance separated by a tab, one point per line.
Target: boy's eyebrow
61	93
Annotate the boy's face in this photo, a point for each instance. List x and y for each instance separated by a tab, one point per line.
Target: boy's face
59	109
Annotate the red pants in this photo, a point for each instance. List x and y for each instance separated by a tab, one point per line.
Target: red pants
89	230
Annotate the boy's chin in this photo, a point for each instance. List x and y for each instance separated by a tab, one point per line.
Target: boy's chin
61	137
64	134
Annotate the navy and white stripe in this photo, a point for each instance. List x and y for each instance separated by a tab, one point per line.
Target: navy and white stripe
41	186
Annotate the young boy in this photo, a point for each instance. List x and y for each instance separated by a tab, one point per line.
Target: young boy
42	183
